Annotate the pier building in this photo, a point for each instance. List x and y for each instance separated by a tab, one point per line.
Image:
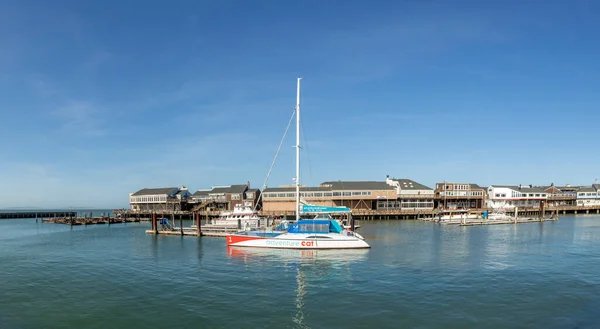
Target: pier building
459	196
159	199
410	195
391	194
588	196
561	195
225	198
509	197
352	194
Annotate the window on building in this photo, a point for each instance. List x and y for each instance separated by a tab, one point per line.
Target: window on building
235	196
347	194
250	195
337	194
327	194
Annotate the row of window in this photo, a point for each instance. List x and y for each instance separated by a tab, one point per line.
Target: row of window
404	204
149	198
588	194
521	195
315	194
462	193
524	203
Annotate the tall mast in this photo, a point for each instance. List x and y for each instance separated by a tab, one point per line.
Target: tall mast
298	152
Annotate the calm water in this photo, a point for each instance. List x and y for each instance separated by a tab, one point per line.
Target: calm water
417	275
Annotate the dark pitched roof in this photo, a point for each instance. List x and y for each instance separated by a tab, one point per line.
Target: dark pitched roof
568	188
293	189
222	189
357	185
596	186
408	184
229	189
523	188
155	191
201	193
587	189
250	190
476	187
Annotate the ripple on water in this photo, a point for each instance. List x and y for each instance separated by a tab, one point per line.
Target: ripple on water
416	275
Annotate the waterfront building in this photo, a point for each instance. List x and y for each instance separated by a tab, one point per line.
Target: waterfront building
459	196
357	195
588	196
226	197
159	199
352	194
411	195
522	196
561	195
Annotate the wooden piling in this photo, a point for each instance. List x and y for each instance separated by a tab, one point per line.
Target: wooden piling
199	227
154	226
180	224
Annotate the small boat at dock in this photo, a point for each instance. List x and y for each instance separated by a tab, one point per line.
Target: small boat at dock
243	217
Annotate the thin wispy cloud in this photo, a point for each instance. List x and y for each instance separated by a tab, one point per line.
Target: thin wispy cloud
200	95
81	118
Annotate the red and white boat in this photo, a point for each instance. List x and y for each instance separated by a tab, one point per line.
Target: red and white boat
321	232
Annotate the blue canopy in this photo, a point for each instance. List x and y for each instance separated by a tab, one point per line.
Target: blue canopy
315	226
323	209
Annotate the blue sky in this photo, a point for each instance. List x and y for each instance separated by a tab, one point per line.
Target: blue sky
103	98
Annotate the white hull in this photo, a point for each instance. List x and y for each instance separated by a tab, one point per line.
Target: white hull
458	216
246	223
300	241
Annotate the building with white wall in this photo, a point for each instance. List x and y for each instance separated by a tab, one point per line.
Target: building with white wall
588	196
509	197
411	194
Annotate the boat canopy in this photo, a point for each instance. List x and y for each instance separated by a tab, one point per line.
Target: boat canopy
308	208
316	226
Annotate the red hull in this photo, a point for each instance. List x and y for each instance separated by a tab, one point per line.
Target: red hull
233	239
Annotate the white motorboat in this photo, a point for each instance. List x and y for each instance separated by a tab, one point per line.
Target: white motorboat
243	217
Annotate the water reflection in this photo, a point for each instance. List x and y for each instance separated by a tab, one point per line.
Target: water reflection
307	264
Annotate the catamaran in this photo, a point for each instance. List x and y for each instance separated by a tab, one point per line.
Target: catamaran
319	232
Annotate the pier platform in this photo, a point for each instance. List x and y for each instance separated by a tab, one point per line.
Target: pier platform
205	230
89	220
34	214
475	222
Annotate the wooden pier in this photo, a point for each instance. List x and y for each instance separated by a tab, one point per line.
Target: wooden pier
476	222
371	214
89	220
165	227
33	214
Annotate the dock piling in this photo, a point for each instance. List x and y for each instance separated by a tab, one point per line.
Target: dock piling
198	226
154	226
181	224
